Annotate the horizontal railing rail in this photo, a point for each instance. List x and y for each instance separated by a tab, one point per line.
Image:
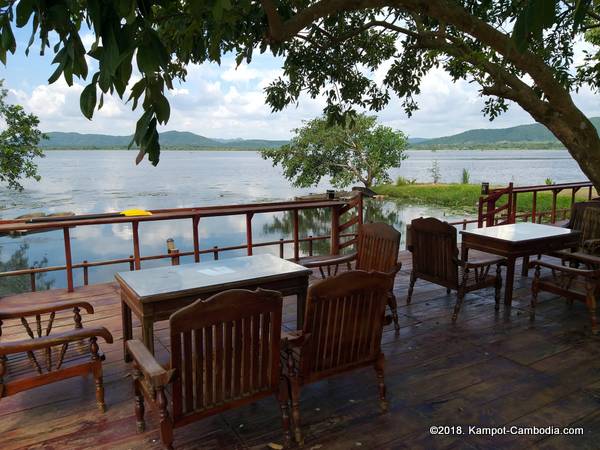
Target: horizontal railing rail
337	206
533	214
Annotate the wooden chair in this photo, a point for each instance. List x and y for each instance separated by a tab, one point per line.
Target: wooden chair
585	217
46	356
342	332
436	259
378	245
569	282
225	353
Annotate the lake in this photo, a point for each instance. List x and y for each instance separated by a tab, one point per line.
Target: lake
100	181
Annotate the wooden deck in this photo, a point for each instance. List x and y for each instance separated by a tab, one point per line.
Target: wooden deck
487	370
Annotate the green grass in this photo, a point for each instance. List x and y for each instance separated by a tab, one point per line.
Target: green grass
464	197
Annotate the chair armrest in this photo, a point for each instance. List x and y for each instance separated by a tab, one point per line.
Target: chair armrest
14	312
591	245
335	259
566	269
156	374
26	345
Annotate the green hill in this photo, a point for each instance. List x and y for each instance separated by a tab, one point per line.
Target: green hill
168	139
532	135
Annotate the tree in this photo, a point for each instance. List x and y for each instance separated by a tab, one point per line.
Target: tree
519	51
358	151
18	143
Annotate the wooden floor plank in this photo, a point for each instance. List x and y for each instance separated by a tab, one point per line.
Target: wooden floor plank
491	368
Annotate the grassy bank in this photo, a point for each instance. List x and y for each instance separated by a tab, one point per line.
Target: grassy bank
464	197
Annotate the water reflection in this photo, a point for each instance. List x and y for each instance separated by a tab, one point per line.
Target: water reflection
19	260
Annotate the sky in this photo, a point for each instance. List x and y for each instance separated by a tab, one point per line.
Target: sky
228	102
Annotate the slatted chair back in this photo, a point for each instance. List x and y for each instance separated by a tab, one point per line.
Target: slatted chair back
344	317
378	246
489	212
434	251
576	221
225	349
590	224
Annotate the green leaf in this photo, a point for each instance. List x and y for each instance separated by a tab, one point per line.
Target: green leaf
87	100
8	39
162	108
24	11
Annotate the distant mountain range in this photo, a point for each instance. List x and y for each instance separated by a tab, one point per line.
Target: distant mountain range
532	135
522	136
168	139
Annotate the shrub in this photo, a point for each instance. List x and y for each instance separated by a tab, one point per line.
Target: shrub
466	177
402	181
435	172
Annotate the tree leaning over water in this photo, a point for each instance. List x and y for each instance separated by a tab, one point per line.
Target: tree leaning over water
517	51
357	152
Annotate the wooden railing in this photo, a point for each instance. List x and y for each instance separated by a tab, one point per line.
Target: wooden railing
488	209
341	235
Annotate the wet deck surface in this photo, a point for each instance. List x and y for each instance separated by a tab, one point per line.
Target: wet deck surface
488	370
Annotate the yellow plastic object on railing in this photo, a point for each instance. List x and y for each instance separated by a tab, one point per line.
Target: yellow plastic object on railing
135	212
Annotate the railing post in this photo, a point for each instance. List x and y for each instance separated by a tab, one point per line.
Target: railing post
310	245
68	262
281	248
172	250
296	233
513	210
195	223
534	206
32	280
136	245
215	252
249	232
85	273
359	208
335	230
553	212
131	266
590	193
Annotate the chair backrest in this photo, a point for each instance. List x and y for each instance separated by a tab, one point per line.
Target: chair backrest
590	223
576	221
224	349
488	209
434	251
345	317
378	246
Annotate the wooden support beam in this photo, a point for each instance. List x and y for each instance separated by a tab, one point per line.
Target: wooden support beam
249	233
136	245
68	261
195	224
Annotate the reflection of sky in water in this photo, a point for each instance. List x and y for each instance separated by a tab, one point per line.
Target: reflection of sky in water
100	181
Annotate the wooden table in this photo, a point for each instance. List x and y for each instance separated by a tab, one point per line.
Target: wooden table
517	240
154	294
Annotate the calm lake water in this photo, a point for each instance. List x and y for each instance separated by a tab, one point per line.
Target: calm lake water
101	181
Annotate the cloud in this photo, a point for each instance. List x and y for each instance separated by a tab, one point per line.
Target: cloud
228	101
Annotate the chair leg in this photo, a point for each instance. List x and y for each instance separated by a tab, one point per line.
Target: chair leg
283	397
498	286
393	304
459	300
166	427
139	402
411	287
590	300
97	369
379	366
295	395
534	293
